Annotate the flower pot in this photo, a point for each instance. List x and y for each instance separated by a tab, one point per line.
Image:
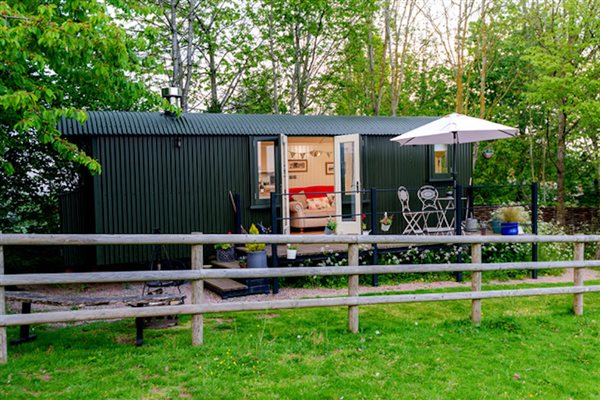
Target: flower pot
496	226
328	231
510	228
291	254
257	259
385	228
366	232
471	225
226	255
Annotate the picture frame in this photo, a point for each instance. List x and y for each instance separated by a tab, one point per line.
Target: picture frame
297	165
329	169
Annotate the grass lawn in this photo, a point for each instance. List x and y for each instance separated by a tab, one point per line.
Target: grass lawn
525	348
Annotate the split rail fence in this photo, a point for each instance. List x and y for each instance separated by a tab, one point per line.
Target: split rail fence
196	275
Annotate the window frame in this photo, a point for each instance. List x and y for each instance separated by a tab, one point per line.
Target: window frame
433	176
256	201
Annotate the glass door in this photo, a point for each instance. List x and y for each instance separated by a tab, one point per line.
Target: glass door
347	184
285	187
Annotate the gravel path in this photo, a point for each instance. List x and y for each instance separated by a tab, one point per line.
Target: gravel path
284	293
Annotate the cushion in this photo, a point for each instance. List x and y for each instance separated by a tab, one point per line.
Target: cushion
318	203
300	198
331	199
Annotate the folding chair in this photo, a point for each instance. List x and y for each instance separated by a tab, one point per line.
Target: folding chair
412	218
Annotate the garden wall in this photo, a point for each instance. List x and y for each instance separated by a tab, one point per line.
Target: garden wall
587	218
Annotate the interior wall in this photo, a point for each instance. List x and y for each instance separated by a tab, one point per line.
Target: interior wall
300	149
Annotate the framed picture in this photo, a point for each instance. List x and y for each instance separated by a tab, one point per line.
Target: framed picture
329	168
297	165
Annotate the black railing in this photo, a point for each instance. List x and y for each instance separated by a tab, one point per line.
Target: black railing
376	200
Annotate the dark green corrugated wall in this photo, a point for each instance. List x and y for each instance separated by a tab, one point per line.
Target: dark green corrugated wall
388	165
148	182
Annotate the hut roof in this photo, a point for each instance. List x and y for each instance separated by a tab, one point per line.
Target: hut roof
156	123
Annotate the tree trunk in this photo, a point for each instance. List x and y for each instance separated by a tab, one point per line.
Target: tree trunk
560	168
275	94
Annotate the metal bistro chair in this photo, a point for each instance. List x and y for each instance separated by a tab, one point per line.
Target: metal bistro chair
432	210
412	218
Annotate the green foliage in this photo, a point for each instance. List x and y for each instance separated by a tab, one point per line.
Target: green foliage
255	246
525	347
512	214
58	59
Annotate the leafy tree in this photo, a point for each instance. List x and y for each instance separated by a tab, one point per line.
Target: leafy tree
58	59
564	55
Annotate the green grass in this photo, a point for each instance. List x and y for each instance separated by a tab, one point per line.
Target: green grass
525	348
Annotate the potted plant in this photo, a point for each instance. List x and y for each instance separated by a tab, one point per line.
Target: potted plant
364	226
330	227
225	251
386	222
292	250
257	255
510	218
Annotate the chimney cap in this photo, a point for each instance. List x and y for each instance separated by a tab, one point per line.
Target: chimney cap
171	91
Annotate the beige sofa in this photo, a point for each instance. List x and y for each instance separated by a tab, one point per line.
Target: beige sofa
302	217
302	213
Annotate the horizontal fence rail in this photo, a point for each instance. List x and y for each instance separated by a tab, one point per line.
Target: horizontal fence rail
197	275
83	240
142	276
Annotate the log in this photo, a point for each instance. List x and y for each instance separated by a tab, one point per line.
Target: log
86	239
3	337
119	313
353	260
476	284
578	279
141	276
197	297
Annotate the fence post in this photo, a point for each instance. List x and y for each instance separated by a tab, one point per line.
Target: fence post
476	284
3	339
458	218
375	278
578	279
534	225
353	288
274	251
197	294
238	213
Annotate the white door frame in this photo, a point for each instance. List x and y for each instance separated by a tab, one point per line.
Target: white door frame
285	185
349	224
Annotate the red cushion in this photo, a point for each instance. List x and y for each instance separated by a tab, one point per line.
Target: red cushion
313	192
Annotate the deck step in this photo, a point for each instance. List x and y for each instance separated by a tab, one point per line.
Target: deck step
224	284
226	264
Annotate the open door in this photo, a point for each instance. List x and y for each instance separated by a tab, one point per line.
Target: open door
284	189
347	183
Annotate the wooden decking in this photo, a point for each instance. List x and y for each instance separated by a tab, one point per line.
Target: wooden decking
227	288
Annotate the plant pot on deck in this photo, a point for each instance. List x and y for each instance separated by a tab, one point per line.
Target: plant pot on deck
291	254
257	259
510	228
385	228
496	226
226	255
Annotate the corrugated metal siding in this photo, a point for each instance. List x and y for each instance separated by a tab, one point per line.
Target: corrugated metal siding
76	217
148	182
146	123
388	165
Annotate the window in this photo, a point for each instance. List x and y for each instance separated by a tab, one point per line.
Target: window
264	177
440	157
439	163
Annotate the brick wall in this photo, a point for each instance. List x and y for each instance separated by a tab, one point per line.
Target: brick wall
576	216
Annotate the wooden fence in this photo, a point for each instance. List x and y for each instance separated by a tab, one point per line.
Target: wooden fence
197	308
